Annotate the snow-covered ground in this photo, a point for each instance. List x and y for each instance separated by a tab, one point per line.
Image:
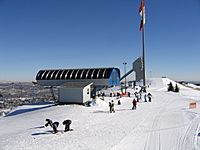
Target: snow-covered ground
166	123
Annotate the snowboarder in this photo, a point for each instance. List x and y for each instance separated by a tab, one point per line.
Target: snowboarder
134	102
67	124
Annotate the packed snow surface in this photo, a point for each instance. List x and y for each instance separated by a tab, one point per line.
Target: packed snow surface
166	123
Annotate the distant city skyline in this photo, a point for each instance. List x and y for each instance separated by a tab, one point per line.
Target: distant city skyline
49	34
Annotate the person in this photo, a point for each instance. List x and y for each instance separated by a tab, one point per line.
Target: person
129	94
134	102
55	126
52	124
118	95
111	105
145	97
49	122
149	96
119	102
110	94
67	124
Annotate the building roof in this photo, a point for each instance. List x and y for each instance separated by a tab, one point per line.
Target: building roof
67	74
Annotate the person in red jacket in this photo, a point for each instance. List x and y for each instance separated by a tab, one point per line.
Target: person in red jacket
134	102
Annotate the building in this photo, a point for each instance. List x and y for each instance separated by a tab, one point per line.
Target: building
72	83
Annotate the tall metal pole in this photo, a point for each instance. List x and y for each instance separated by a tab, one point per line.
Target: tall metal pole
143	58
143	48
125	75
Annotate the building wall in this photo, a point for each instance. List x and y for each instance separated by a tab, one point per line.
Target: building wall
100	82
87	93
70	95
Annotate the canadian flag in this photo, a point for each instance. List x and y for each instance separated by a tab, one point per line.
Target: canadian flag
142	14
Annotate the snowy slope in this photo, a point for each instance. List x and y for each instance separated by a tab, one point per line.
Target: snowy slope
165	123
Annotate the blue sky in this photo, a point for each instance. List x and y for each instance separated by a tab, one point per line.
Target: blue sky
53	34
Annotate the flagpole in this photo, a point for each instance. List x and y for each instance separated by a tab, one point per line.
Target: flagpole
143	47
143	58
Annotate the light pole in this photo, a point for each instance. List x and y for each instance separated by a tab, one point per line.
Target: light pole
125	75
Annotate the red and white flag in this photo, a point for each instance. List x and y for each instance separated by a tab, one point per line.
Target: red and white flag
142	14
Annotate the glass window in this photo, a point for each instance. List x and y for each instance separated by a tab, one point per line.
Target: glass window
92	74
83	74
54	74
89	74
58	74
107	73
101	74
78	74
73	74
95	74
67	76
39	75
44	75
49	74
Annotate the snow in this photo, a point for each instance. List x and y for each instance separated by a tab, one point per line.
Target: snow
165	123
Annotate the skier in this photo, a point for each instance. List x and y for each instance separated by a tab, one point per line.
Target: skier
67	124
134	102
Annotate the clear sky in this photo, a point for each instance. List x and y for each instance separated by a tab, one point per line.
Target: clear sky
59	34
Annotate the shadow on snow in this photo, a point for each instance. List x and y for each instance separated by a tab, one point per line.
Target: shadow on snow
42	133
21	111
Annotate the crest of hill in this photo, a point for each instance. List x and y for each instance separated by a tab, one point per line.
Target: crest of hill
161	84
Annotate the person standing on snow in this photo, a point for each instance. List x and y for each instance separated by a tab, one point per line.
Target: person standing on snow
134	102
149	96
111	105
145	97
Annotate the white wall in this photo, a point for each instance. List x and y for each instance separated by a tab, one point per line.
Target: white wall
86	93
70	95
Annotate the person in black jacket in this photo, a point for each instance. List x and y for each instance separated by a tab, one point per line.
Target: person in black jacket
54	125
67	124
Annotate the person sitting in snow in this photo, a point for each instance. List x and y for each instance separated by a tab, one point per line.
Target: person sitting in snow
67	124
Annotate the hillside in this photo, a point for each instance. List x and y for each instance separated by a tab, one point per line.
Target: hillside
163	124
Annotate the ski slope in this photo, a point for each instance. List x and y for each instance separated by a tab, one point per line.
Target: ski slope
166	123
